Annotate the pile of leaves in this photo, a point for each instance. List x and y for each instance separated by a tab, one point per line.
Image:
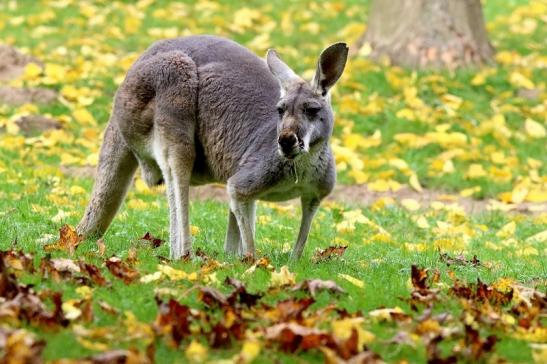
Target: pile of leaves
288	316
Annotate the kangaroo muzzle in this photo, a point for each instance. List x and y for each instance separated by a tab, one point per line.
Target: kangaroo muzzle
289	144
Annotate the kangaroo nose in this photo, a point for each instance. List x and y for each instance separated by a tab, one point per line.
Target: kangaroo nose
288	142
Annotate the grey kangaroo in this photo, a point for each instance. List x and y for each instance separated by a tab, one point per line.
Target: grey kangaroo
204	109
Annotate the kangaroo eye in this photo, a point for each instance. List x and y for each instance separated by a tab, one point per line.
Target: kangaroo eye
311	111
281	111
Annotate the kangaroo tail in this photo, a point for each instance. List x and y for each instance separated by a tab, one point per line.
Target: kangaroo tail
115	171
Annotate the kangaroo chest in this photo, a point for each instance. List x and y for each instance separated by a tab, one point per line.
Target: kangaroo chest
290	186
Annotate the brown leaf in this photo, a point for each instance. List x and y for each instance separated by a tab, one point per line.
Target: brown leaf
9	287
108	308
58	269
219	336
328	253
419	278
101	246
475	348
27	306
292	336
289	309
421	293
18	260
314	285
212	296
121	270
131	356
240	293
153	241
364	357
20	346
458	260
481	292
174	320
94	273
68	240
132	256
433	352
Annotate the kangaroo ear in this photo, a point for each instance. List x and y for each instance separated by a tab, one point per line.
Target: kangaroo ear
284	74
329	67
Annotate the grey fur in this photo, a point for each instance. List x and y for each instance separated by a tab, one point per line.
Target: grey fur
204	109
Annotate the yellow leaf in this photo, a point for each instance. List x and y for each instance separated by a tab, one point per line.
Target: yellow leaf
414	182
77	190
507	230
517	79
410	204
380	185
534	129
538	238
475	171
422	222
132	24
406	113
32	71
140	186
419	247
537	195
385	314
68	159
54	73
343	329
137	204
539	352
356	282
244	18
70	311
282	278
84	117
151	277
398	163
194	230
61	216
249	351
470	191
518	194
172	273
196	352
84	292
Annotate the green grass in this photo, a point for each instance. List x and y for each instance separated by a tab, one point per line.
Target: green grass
90	40
384	267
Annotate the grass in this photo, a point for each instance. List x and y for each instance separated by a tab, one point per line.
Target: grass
94	43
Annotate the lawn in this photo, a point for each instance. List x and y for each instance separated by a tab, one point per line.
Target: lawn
473	134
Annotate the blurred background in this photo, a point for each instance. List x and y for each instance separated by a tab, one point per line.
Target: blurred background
438	95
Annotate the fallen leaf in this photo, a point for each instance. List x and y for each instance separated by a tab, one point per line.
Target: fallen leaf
196	352
356	282
121	270
282	278
322	255
314	285
153	241
68	240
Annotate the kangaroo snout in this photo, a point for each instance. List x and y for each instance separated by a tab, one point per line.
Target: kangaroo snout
289	144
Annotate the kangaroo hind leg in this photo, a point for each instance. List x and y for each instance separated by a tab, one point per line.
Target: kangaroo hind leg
174	144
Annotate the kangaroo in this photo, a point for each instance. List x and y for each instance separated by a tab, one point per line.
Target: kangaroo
203	109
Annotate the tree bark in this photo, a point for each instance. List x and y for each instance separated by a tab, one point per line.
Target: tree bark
422	34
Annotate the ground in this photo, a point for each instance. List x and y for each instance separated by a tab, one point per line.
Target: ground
437	230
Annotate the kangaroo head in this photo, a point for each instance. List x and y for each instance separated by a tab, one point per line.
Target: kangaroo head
305	112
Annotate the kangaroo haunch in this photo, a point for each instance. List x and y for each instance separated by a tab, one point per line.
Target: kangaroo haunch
204	109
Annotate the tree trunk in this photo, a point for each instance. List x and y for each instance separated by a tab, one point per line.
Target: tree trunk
428	33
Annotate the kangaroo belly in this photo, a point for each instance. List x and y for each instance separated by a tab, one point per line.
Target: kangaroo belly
286	191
